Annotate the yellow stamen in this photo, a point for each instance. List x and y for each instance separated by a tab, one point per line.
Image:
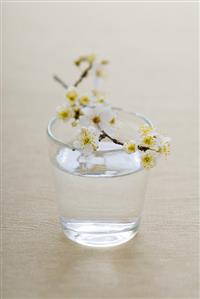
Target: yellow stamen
96	119
64	114
100	73
72	96
148	161
86	140
148	140
101	100
113	120
84	100
91	58
165	149
130	147
145	129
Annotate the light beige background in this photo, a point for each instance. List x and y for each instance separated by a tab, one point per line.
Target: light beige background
153	52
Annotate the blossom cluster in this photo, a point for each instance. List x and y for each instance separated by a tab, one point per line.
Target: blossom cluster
96	120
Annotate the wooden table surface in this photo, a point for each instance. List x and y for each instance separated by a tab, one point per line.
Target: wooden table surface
153	52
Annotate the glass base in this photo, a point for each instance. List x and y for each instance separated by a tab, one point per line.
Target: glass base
99	234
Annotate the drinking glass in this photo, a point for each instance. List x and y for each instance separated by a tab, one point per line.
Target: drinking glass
100	196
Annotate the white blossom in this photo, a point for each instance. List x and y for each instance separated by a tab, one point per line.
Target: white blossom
148	159
72	95
64	112
87	140
100	116
164	145
130	146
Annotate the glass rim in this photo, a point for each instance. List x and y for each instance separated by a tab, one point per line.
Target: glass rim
61	143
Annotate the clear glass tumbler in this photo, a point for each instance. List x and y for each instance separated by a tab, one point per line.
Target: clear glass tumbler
100	197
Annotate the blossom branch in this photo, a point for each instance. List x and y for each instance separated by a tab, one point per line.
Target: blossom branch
95	118
114	140
83	75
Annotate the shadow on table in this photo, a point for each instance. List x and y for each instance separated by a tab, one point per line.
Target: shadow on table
82	272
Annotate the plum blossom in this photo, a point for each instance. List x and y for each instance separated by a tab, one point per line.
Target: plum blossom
72	95
130	147
64	112
100	116
87	140
148	159
165	146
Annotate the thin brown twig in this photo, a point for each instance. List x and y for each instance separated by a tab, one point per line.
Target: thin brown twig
80	79
83	75
114	140
104	135
143	148
57	79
